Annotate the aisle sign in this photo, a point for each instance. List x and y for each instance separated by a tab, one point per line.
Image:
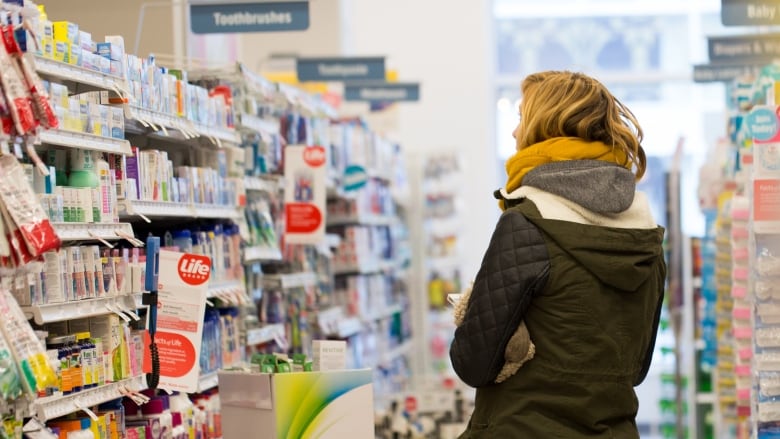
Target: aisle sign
388	92
305	194
749	12
183	287
723	72
340	69
744	48
215	17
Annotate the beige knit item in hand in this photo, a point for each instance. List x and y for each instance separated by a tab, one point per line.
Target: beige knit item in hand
518	351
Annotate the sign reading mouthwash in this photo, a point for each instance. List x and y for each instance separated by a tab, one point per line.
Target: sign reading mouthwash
390	92
723	73
215	17
355	177
749	12
341	69
744	48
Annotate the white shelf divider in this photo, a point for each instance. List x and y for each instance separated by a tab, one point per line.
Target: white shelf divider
233	291
364	219
261	253
264	334
73	139
292	280
57	406
92	231
78	75
215	211
259	125
208	381
58	312
188	129
270	184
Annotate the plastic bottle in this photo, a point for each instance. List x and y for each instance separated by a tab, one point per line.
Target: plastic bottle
76	374
198	242
63	355
183	240
83	169
87	359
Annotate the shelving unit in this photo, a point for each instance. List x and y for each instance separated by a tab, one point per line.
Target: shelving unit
58	312
73	139
57	406
165	209
260	254
92	231
265	334
143	121
269	184
78	79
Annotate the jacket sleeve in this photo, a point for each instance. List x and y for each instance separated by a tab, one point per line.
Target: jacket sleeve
648	357
514	269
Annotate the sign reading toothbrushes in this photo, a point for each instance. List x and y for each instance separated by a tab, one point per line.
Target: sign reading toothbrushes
183	287
237	16
305	194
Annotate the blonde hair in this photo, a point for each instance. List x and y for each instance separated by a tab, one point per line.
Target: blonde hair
571	104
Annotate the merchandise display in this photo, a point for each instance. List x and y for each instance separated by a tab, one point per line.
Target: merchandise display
107	149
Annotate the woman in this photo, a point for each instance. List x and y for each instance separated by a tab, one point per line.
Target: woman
577	257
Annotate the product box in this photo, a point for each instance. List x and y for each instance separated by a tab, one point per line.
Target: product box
62	51
109	329
334	405
329	355
76	57
65	31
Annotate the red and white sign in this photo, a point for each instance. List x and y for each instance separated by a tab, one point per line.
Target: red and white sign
183	285
305	194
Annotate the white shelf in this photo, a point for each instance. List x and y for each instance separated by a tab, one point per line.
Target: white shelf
443	263
187	129
155	209
168	209
265	334
270	184
58	312
383	313
386	358
292	280
91	231
73	139
215	211
261	253
263	126
57	406
235	290
83	79
367	220
208	381
348	327
706	398
366	267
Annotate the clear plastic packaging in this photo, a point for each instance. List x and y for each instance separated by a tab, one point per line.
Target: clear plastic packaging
10	385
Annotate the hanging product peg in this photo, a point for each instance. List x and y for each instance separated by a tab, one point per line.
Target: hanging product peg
149	299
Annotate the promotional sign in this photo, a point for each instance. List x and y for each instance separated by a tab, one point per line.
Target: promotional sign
216	17
183	287
389	92
305	194
764	126
745	48
723	73
340	69
749	12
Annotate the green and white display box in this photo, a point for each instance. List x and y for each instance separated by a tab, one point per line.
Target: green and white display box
297	405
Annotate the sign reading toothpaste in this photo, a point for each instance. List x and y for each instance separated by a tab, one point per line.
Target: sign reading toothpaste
305	194
340	69
183	287
214	17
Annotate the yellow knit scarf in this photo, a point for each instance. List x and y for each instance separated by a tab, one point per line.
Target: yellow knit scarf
557	149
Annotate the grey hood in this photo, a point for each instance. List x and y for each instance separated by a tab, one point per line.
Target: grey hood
601	187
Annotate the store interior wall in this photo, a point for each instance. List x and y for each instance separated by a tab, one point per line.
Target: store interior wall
120	17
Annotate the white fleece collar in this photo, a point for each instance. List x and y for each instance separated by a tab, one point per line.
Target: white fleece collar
638	216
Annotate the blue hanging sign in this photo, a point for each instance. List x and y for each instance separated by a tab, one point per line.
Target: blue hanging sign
340	69
749	12
388	92
355	177
216	17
